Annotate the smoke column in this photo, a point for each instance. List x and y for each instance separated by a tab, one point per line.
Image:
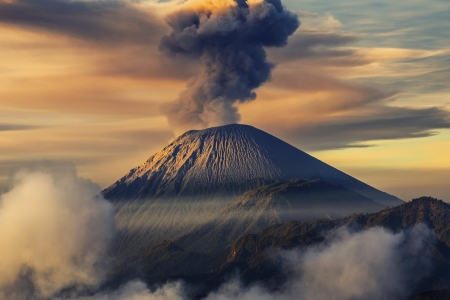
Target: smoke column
228	37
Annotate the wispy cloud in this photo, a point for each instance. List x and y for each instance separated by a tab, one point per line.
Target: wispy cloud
333	95
99	21
14	127
381	123
315	45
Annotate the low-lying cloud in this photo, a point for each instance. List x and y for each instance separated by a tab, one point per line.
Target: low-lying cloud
54	233
373	264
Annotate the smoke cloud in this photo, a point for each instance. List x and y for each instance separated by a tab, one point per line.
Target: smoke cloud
54	233
228	37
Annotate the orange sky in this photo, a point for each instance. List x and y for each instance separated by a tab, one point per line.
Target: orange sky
355	92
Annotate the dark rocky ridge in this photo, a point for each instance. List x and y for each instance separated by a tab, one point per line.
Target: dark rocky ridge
252	254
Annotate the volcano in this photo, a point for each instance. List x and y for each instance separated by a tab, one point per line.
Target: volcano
192	180
223	162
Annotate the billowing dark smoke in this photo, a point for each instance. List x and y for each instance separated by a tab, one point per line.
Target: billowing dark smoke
228	37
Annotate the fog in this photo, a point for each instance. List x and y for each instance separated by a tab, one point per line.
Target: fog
53	233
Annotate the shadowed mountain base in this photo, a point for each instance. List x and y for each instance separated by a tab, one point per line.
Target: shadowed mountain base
252	256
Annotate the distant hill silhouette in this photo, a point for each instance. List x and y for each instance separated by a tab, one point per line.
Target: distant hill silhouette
273	204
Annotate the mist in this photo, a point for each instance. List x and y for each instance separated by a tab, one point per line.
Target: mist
54	233
372	264
228	38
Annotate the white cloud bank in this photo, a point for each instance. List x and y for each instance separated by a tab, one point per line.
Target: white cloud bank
53	234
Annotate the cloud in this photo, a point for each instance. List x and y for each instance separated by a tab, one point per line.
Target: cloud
318	21
54	233
228	37
372	264
322	106
317	59
97	21
14	127
380	123
317	45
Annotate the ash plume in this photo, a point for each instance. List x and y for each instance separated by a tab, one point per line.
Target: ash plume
228	38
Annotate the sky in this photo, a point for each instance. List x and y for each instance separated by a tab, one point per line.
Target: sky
361	85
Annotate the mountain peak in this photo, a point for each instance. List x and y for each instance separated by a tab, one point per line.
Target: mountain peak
225	161
229	128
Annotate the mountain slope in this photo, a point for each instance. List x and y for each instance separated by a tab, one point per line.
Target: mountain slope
195	176
258	209
225	162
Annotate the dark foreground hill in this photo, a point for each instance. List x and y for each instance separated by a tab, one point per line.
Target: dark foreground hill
251	252
252	255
